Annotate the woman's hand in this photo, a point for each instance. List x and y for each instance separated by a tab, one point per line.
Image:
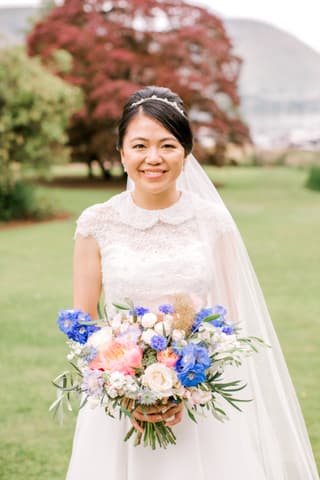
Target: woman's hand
169	412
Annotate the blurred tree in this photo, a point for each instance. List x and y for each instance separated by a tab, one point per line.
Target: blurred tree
35	108
117	46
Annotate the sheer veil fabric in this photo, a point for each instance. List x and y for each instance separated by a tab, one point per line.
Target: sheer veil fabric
274	416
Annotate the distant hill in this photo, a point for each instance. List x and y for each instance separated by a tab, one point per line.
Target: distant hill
276	64
14	22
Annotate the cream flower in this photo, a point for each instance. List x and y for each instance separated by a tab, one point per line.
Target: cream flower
178	335
159	379
101	338
147	335
164	328
148	320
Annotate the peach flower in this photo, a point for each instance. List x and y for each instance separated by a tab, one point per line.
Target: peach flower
118	357
167	357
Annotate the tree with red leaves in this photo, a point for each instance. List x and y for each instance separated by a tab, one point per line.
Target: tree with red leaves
118	46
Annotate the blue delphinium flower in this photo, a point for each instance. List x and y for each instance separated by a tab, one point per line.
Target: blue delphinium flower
191	355
139	310
81	332
166	308
177	347
217	323
75	324
198	319
158	342
201	356
193	376
67	319
227	330
219	309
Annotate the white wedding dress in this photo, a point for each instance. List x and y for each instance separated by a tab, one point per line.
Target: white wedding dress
148	256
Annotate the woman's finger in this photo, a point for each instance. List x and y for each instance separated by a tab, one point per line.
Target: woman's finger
159	416
175	420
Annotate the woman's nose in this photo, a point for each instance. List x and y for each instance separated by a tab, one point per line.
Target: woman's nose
153	155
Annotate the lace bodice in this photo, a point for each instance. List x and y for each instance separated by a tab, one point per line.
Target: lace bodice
150	255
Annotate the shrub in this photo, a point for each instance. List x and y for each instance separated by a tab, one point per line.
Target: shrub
35	107
19	200
313	181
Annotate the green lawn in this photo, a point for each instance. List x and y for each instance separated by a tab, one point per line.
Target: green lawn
279	220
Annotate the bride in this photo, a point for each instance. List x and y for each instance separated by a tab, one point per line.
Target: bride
169	233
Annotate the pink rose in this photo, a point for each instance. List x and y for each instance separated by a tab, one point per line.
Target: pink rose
167	357
118	357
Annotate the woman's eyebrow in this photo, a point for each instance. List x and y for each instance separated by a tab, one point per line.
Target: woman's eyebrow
165	139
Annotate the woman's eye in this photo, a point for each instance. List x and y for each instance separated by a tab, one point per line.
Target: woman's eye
138	146
168	145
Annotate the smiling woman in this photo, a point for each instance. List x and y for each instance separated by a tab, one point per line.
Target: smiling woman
170	236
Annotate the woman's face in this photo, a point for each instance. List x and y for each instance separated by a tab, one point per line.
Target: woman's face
152	156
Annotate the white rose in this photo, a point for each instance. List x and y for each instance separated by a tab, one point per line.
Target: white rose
164	328
148	320
147	335
159	379
101	338
178	335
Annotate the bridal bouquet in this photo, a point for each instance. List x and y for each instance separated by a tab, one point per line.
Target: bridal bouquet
140	357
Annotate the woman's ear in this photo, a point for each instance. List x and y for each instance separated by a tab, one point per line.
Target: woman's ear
122	159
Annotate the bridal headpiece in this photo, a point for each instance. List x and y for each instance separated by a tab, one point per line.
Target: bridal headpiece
160	99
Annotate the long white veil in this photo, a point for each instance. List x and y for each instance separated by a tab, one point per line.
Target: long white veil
274	417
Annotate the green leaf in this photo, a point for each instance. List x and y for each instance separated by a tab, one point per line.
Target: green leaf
211	317
191	416
120	306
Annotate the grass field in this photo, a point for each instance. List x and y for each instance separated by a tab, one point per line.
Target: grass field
279	220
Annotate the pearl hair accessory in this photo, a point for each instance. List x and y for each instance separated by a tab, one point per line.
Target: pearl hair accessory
165	100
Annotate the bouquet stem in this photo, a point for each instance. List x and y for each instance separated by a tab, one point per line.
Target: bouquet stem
154	434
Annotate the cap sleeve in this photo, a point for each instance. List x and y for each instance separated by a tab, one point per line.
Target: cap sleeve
89	222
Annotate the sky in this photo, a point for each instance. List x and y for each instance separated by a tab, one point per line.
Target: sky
299	18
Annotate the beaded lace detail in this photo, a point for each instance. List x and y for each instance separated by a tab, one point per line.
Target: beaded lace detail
149	255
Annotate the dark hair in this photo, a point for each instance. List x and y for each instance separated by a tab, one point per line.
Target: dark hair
175	121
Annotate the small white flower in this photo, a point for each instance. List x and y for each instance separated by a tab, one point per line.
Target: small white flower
178	335
112	392
101	338
147	335
200	397
117	380
148	320
70	356
164	328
